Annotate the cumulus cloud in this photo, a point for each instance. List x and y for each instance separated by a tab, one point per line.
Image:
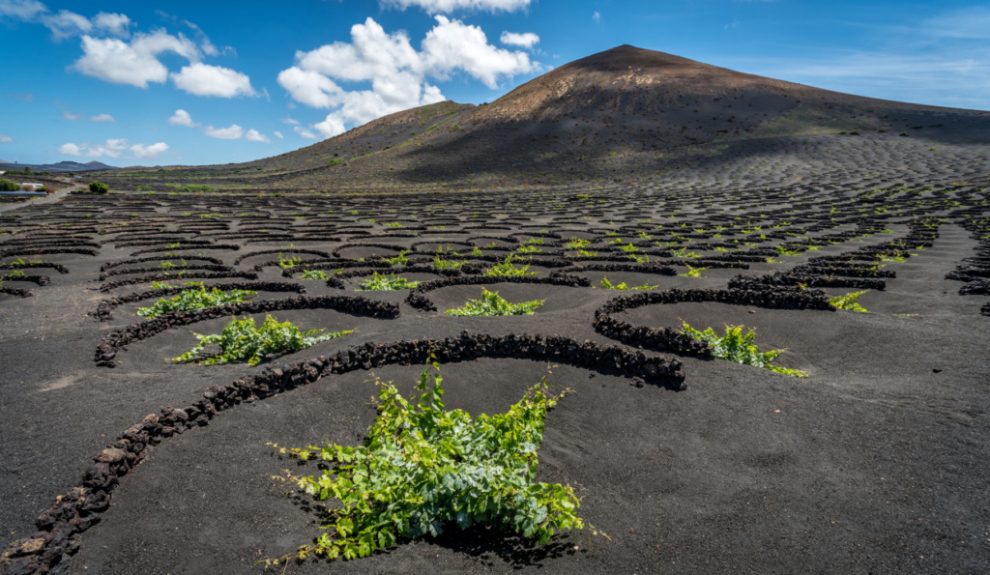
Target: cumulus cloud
452	45
181	118
448	6
22	9
135	63
304	133
205	80
149	151
113	148
112	23
65	24
255	136
70	149
310	88
332	125
397	75
524	39
102	118
5	139
107	56
231	132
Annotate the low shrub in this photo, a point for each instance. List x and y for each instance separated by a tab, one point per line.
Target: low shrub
508	269
8	185
848	302
577	244
491	304
623	286
315	275
243	341
289	263
98	188
740	346
423	470
693	272
440	263
386	282
400	260
196	298
192	188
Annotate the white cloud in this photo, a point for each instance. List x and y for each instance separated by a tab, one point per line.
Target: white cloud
135	63
304	133
206	80
452	45
71	116
253	135
66	24
231	132
112	148
310	88
596	17
524	39
149	151
22	9
278	135
70	149
397	75
448	6
5	139
181	118
102	118
112	23
332	125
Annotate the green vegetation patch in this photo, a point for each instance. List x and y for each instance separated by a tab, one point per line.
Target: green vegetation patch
693	272
400	260
423	470
98	188
623	286
848	302
197	298
315	275
491	304
442	263
192	188
386	282
289	263
508	269
243	341
738	344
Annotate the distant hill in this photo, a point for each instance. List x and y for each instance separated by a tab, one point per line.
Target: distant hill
58	167
622	112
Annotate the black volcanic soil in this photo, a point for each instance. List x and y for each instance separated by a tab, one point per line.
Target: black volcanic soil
875	463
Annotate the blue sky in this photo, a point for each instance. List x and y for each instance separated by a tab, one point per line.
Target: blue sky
182	82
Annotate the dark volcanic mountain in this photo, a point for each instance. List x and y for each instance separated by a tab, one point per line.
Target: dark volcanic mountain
623	112
58	167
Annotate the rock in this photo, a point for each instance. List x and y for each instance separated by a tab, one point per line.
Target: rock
31	546
21	566
111	455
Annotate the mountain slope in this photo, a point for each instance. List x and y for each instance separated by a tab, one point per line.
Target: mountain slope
625	111
58	167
